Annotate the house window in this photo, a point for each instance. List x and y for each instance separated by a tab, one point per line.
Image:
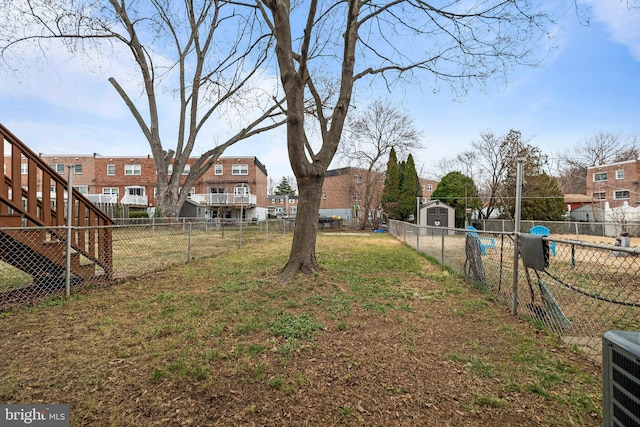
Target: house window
186	170
110	191
24	168
241	190
429	187
83	189
170	170
357	179
621	195
77	168
240	170
111	170
132	169
273	200
600	176
216	190
324	196
601	195
620	174
356	197
58	167
135	191
217	169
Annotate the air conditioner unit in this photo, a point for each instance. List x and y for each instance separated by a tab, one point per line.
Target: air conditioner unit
621	378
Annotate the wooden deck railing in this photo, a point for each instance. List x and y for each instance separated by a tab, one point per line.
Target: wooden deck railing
34	195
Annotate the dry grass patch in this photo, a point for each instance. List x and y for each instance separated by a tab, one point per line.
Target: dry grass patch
380	337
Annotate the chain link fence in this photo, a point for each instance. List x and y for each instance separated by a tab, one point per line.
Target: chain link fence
582	289
33	261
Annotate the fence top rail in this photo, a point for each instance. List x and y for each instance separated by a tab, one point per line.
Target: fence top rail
583	243
633	251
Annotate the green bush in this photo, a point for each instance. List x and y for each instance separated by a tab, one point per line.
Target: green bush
138	214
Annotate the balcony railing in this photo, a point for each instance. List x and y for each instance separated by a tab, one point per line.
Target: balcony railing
134	200
224	199
102	198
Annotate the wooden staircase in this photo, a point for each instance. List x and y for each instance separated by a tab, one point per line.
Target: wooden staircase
33	226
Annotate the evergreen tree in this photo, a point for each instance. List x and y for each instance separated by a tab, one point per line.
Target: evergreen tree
542	199
391	190
459	191
409	190
284	188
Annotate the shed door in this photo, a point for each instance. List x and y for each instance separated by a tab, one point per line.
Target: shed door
438	217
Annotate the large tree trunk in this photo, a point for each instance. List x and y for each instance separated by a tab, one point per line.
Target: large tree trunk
303	249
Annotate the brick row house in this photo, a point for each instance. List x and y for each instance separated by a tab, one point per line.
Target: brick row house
615	183
282	206
233	185
345	189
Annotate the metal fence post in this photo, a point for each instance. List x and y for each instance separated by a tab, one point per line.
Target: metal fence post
189	244
442	246
516	253
67	276
417	238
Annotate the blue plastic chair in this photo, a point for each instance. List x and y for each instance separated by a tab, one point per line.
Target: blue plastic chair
544	231
484	242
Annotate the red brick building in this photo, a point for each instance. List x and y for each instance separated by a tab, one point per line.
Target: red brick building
282	206
615	183
231	184
345	189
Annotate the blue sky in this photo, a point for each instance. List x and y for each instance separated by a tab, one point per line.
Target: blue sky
589	84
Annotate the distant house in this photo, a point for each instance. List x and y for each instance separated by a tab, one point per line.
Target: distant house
345	189
615	183
576	201
282	205
233	187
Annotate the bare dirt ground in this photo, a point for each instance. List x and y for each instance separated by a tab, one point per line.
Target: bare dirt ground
443	354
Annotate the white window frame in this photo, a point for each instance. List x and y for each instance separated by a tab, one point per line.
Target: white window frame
596	174
240	169
170	170
596	195
111	169
616	197
83	189
24	168
186	170
218	169
77	168
429	187
324	196
357	178
133	169
620	174
111	191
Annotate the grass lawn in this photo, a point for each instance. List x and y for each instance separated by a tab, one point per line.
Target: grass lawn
382	336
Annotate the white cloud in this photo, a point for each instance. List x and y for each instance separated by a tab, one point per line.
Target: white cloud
622	22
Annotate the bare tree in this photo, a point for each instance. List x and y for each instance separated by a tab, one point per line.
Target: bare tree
370	135
487	163
205	52
458	43
600	149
